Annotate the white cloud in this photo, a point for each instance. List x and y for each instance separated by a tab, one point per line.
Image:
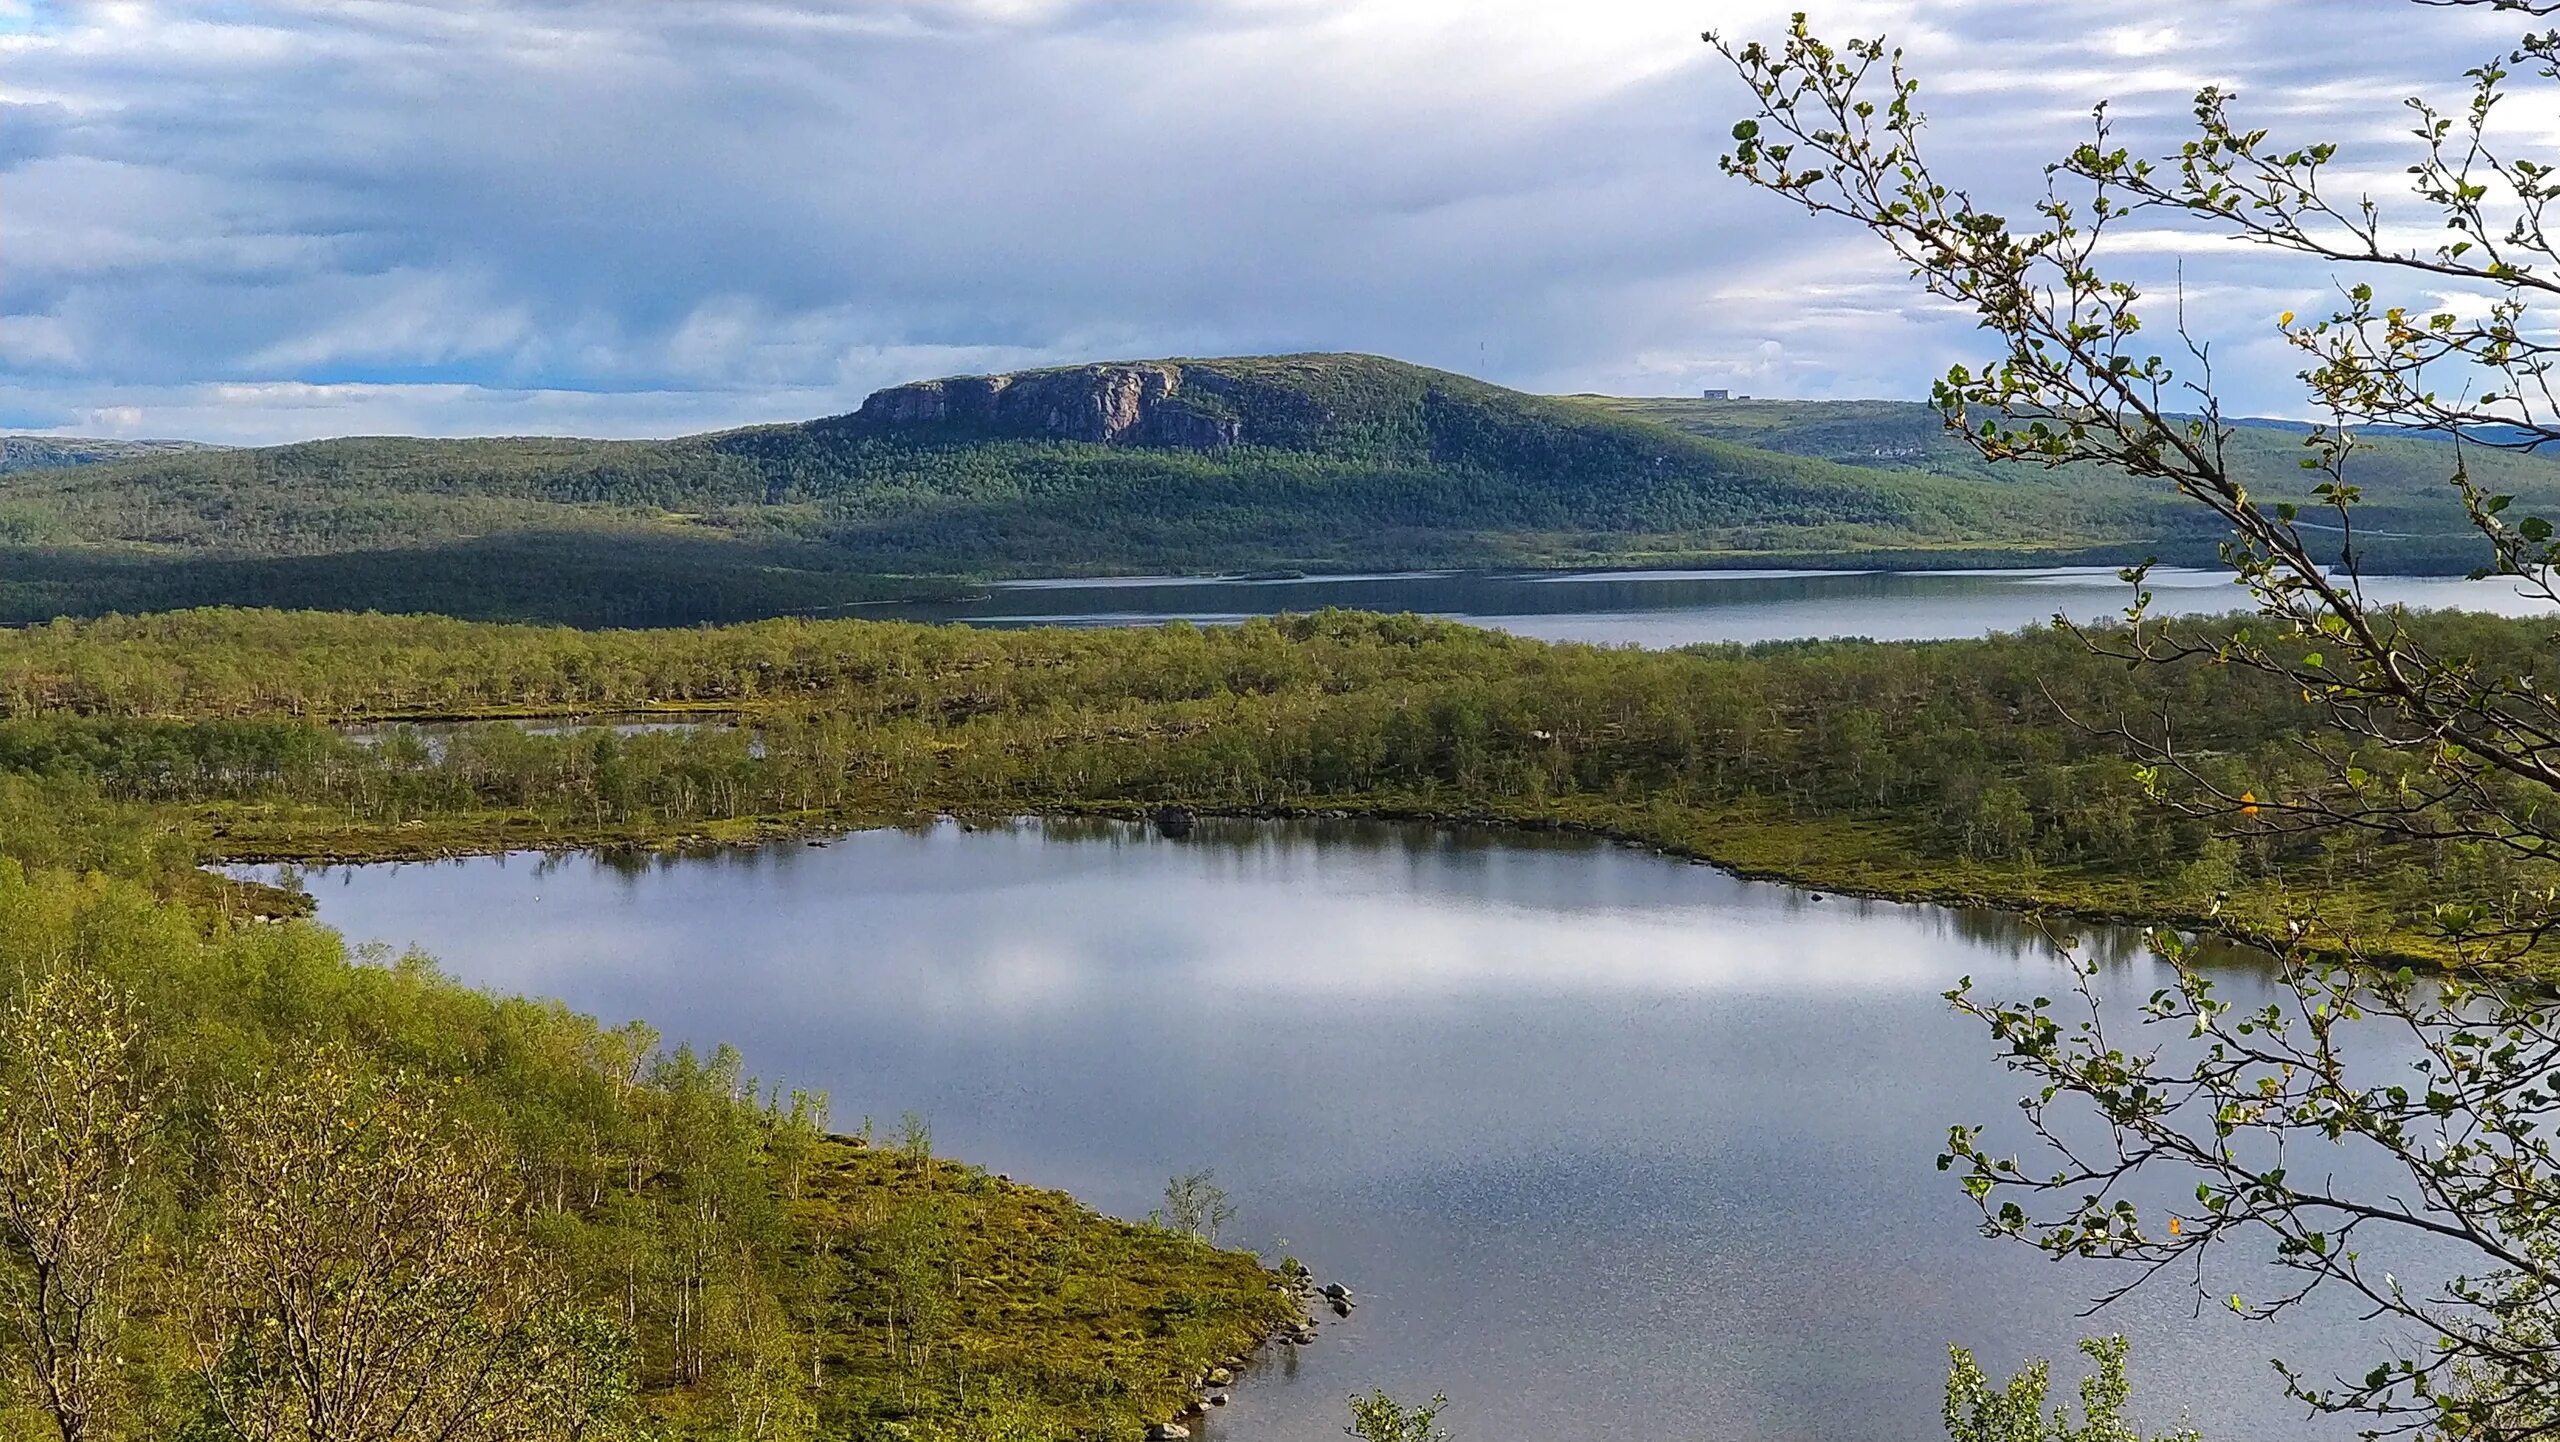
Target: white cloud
631	216
254	412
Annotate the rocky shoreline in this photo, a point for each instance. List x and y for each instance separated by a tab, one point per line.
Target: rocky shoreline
1210	1390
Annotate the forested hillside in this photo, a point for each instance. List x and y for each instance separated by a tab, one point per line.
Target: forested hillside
1319	462
2409	518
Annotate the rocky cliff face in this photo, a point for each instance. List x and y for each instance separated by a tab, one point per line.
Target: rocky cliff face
1142	404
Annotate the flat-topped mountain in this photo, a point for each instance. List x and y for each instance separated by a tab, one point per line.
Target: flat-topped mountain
1350	405
1323	403
1312	462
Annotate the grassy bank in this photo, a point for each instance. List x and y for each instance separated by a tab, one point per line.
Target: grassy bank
1872	858
1056	1321
579	1233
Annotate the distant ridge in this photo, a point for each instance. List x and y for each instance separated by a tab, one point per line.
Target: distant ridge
28	453
1314	463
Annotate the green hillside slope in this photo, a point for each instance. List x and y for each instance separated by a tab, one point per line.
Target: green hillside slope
2409	513
1314	462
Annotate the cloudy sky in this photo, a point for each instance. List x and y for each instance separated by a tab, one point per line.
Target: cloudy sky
254	220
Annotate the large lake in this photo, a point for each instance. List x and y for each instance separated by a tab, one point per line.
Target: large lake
1609	1143
1672	608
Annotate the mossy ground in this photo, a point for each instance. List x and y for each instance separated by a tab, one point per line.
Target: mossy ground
1086	1325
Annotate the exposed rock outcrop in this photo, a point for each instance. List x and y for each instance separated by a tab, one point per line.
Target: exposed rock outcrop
1133	404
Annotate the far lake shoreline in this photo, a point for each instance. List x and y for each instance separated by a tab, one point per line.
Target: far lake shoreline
1669	607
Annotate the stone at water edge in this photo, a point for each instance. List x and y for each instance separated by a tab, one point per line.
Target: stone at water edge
1168	1432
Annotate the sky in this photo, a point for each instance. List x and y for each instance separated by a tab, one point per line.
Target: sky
270	220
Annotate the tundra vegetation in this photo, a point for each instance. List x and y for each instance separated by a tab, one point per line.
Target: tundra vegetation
2195	1128
254	1187
640	1238
1952	770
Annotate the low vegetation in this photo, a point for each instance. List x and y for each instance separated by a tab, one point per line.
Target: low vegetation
627	1241
624	1241
252	1187
2020	1410
1969	771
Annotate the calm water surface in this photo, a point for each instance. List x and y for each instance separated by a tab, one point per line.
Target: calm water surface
1672	608
1609	1143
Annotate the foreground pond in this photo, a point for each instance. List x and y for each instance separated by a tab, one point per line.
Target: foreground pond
1608	1143
1671	608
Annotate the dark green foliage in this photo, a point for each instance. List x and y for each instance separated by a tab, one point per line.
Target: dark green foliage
1336	462
2411	517
1333	447
1078	1322
599	576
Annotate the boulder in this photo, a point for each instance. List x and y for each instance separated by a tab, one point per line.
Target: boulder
1168	1432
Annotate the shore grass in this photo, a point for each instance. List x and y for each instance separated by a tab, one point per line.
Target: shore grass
1049	1313
1852	857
